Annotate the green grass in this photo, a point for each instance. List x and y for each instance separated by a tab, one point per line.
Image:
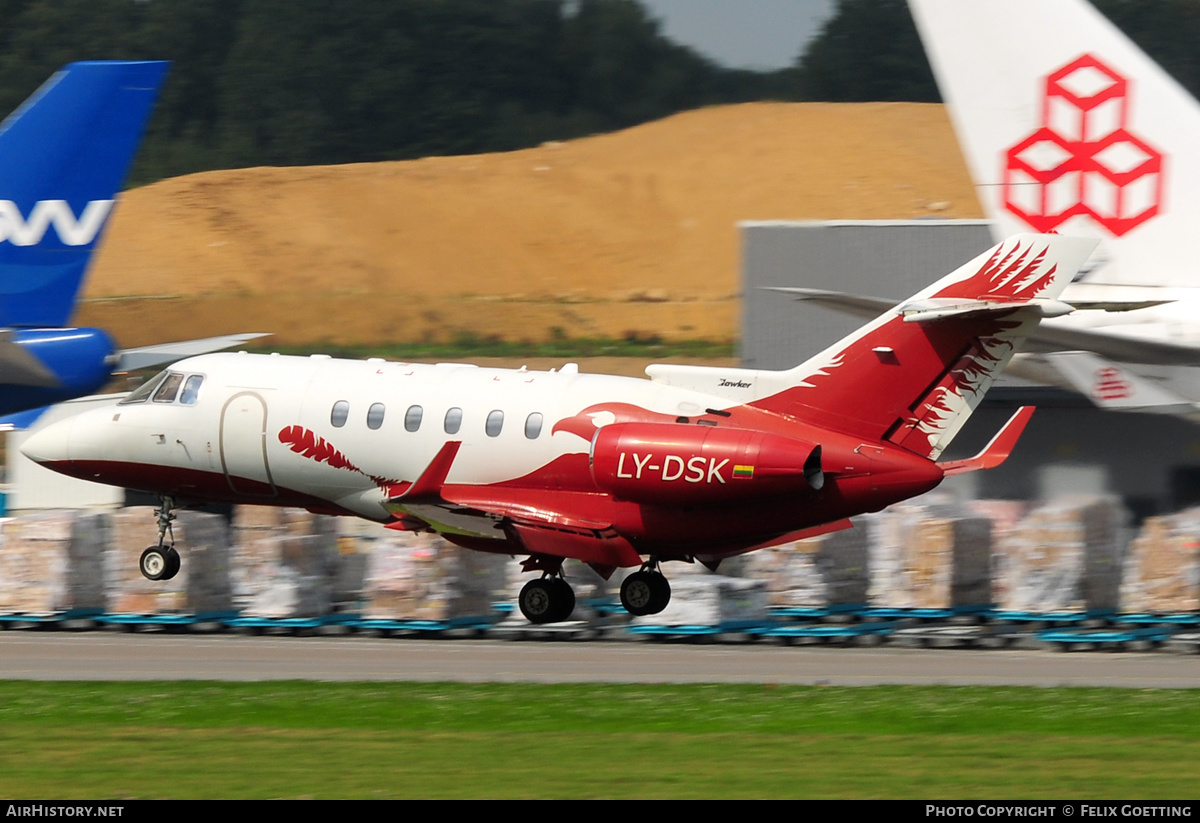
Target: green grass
230	740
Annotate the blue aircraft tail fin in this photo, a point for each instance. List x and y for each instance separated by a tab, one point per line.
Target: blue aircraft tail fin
64	155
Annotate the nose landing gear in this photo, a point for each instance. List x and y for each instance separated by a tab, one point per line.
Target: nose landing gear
162	562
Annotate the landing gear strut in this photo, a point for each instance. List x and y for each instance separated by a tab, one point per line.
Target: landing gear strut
162	562
646	591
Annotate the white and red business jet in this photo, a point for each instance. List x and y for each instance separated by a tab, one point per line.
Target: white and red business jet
695	464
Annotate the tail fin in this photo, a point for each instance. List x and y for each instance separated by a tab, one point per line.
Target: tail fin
64	154
914	375
1068	126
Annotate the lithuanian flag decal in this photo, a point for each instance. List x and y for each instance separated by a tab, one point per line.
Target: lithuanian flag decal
745	472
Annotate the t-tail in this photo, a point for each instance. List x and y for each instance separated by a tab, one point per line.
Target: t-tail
64	155
916	373
1068	126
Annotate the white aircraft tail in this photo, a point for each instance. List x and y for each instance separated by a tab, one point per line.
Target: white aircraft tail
1068	126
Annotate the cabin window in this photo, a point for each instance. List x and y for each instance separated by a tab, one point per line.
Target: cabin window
533	425
341	411
412	418
495	422
169	388
191	389
143	392
375	415
453	420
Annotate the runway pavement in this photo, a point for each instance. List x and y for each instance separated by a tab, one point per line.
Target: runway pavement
102	655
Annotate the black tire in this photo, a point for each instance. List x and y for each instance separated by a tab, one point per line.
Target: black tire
154	563
173	563
566	596
637	593
538	600
645	593
662	592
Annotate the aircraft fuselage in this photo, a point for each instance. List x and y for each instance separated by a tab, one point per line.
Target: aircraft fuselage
670	470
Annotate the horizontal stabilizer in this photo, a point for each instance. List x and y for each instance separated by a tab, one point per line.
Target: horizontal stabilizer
1045	338
863	306
853	304
997	451
924	311
147	356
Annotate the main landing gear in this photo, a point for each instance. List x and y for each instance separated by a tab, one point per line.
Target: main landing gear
549	599
162	562
646	591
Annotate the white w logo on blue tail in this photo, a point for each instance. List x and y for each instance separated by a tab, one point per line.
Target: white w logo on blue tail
14	228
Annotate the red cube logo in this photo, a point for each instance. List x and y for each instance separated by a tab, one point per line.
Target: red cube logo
1083	160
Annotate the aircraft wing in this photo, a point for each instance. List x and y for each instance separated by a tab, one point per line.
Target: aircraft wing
147	356
1047	337
1110	386
542	529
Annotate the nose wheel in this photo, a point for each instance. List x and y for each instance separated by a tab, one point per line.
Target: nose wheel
547	600
162	562
645	592
159	563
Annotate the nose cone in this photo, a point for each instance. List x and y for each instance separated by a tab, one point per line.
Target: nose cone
50	446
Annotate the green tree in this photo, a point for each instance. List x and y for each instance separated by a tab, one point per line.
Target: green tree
868	50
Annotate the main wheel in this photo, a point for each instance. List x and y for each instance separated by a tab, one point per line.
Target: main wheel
154	563
566	598
173	563
662	592
537	600
645	593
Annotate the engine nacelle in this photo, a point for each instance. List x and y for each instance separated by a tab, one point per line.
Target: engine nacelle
677	463
47	366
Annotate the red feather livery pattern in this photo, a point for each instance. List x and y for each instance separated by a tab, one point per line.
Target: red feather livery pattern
311	445
1011	274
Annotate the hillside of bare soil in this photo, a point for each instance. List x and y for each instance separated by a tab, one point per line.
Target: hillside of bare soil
632	232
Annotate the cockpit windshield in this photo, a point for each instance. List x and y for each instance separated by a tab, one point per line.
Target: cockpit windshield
143	392
164	387
168	388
